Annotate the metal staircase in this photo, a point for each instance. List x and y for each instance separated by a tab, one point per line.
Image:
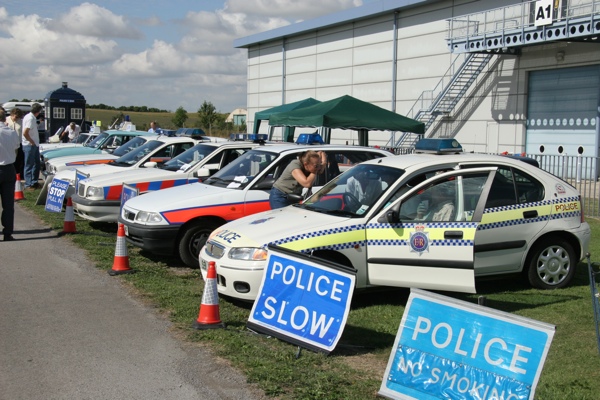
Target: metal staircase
445	96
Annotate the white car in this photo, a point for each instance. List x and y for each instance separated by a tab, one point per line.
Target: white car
99	197
178	220
431	221
156	150
82	139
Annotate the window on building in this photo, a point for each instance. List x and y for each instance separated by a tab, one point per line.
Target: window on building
76	114
58	113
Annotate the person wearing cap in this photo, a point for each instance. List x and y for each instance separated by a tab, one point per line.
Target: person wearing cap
71	133
9	144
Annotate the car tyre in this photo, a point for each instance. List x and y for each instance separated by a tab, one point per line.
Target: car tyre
551	264
192	240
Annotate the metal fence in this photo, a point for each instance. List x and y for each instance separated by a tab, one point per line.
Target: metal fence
581	172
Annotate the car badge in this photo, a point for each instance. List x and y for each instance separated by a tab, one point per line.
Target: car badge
560	188
419	240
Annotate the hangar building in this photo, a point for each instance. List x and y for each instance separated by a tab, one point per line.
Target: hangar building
496	75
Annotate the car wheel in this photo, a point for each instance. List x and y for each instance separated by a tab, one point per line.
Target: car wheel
551	264
192	240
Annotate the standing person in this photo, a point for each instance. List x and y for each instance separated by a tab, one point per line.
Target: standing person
71	133
300	173
9	143
31	147
15	121
152	127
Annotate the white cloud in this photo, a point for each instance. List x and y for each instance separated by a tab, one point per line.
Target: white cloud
98	22
294	10
104	55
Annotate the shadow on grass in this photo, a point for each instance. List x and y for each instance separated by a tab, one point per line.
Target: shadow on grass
169	261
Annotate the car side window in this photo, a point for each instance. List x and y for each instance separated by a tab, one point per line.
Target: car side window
502	193
450	199
529	190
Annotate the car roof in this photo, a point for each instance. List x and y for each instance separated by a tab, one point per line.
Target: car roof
286	148
418	161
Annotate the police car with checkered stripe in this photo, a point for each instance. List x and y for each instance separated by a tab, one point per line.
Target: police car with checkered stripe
436	219
177	221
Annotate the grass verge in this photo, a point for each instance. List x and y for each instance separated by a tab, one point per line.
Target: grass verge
355	369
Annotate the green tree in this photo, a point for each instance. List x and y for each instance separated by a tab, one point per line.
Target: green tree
180	117
208	115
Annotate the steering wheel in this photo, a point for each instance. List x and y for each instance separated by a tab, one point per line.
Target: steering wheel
351	203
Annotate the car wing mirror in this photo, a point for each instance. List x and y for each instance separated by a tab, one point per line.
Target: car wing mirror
151	164
202	173
265	184
391	215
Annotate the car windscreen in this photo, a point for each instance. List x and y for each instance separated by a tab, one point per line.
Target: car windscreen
128	146
189	158
136	155
239	173
98	141
355	192
82	138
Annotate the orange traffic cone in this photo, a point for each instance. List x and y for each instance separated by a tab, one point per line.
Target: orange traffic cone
121	260
69	224
209	318
19	189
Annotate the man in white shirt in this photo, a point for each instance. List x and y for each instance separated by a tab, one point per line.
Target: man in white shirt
71	133
9	143
31	147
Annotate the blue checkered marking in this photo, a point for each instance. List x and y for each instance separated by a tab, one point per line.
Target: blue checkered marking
325	232
521	221
430	225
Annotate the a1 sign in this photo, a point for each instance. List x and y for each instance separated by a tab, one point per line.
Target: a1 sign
543	12
303	300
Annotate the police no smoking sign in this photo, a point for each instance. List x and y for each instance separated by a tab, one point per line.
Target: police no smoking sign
303	300
447	348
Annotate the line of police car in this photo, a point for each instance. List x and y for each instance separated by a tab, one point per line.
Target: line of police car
210	203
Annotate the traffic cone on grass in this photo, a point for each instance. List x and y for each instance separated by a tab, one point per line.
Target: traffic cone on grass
121	260
208	317
69	224
19	189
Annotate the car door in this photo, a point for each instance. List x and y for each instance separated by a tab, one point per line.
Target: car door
515	212
426	238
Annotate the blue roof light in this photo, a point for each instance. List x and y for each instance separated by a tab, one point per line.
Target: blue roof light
438	146
254	137
310	138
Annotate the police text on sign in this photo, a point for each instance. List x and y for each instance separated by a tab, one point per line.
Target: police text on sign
302	300
446	347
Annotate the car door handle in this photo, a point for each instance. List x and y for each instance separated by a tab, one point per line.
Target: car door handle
453	234
530	214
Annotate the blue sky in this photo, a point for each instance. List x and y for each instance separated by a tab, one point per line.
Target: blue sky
163	54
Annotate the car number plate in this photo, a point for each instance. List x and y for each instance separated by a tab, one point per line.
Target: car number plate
203	264
126	230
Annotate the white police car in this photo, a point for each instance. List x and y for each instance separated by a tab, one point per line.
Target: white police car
178	220
155	150
431	221
99	198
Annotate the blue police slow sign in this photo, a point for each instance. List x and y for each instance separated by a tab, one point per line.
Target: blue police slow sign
303	300
446	348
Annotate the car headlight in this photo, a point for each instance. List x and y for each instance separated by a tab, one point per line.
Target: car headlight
50	168
96	192
248	253
145	216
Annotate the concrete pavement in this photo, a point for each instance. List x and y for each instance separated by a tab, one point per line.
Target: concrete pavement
71	331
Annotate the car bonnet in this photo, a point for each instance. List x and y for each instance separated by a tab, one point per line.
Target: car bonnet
279	226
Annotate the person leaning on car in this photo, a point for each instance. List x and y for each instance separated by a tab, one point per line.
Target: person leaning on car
9	144
300	173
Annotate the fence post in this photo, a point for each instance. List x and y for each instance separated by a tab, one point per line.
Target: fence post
565	166
578	178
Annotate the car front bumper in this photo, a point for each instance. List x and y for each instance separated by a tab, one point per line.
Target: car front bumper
235	278
152	238
96	210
